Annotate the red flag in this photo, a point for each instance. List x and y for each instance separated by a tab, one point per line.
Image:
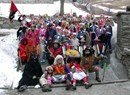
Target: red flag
13	10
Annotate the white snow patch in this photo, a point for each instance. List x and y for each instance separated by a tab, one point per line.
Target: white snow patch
123	7
8	57
2	92
7	30
106	3
108	9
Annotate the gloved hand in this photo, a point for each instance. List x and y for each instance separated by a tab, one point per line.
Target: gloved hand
34	77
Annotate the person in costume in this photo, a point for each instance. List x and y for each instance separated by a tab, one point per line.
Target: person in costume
61	72
87	62
46	79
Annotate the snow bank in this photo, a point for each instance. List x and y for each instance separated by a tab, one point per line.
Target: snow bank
123	7
8	57
2	92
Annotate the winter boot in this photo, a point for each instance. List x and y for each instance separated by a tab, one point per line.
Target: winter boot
88	86
74	88
22	88
68	87
98	79
46	88
110	51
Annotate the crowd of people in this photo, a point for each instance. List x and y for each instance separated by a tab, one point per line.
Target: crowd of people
71	45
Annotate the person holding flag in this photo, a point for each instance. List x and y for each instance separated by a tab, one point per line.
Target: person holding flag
23	27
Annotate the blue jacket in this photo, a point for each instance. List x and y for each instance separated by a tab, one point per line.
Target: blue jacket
50	33
108	29
93	28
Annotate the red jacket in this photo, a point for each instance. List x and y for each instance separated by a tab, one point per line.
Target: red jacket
68	46
33	36
57	51
22	53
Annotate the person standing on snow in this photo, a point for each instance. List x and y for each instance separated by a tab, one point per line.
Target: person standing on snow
23	27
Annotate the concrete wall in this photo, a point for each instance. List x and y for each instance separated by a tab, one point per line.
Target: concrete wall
123	39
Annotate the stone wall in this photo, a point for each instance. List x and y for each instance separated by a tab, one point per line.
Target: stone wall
123	39
27	1
5	24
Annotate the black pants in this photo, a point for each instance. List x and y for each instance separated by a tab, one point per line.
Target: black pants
23	29
28	82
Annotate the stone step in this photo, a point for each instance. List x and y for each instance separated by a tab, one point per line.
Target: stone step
81	84
125	28
125	17
124	23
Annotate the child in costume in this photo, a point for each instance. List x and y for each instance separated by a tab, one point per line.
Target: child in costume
78	73
61	71
74	41
46	79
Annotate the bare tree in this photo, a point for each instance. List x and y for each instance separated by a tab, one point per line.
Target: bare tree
62	7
